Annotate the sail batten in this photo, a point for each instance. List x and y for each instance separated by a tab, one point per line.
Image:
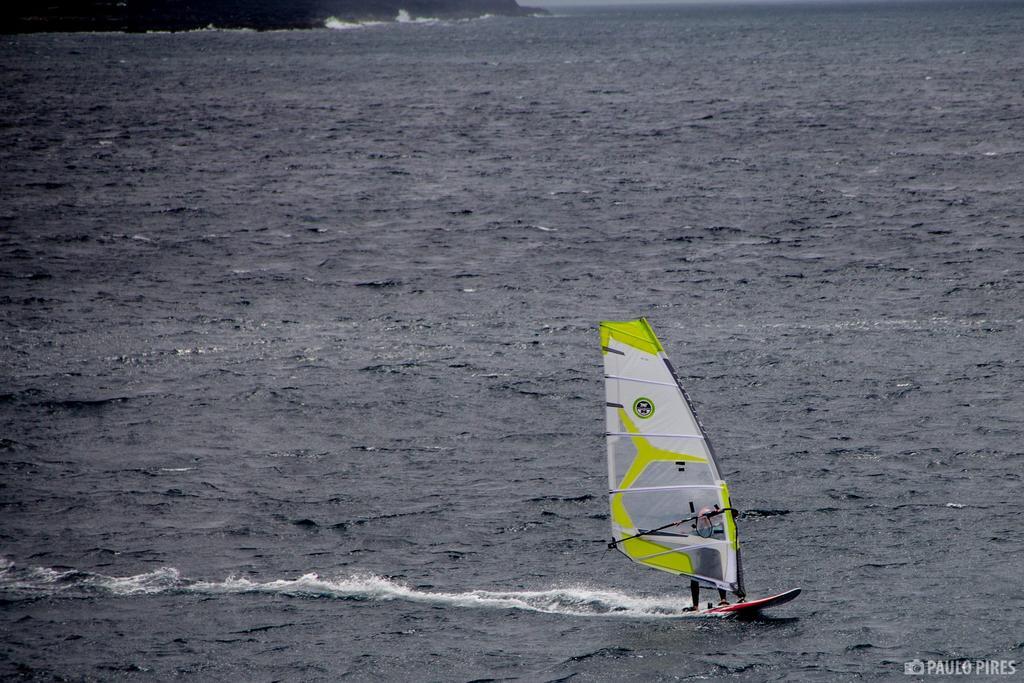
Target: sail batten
659	436
637	489
638	379
670	508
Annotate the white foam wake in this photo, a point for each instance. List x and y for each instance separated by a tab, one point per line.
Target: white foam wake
37	582
577	600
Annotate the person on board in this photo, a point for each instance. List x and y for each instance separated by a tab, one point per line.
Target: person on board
705	527
695	595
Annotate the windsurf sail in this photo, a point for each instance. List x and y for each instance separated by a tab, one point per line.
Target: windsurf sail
670	508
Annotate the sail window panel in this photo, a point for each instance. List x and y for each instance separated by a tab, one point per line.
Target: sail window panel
673	473
652	509
708	562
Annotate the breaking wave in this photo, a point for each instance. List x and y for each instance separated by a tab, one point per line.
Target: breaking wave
340	25
31	583
405	18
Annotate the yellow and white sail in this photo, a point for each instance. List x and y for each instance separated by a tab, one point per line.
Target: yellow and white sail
670	507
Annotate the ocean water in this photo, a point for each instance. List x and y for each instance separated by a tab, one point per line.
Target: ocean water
300	370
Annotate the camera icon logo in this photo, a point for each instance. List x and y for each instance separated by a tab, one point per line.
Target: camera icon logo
913	668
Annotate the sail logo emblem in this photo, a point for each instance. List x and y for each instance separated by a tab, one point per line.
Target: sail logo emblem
643	408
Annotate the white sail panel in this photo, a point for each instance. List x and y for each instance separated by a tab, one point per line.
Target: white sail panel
670	509
668	413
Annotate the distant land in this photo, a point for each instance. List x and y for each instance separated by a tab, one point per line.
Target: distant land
28	16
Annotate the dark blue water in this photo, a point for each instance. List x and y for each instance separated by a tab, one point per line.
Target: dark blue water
300	369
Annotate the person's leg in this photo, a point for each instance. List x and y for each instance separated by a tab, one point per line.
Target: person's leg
695	593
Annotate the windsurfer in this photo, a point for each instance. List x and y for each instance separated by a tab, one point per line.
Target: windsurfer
705	527
695	595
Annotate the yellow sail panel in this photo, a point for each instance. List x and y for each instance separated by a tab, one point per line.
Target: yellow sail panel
635	333
730	520
657	556
669	507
